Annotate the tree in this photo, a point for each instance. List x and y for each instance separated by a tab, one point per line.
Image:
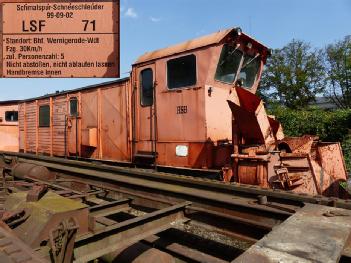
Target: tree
294	75
338	64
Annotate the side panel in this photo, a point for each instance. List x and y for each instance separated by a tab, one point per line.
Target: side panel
199	155
180	116
9	138
89	124
31	126
114	124
58	121
218	114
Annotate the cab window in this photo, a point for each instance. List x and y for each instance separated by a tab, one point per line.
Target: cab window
11	116
228	64
249	71
181	72
147	87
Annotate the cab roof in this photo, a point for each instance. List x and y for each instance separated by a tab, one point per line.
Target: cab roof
208	40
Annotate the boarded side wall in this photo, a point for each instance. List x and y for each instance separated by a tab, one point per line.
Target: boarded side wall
102	124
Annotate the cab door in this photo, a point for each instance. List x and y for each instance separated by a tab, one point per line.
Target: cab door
145	114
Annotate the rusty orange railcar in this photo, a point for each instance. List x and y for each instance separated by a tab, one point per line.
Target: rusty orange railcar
9	136
190	105
91	122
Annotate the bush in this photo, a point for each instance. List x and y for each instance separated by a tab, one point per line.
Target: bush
346	147
331	126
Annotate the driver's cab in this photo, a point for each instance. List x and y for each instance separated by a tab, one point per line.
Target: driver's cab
237	62
186	87
240	61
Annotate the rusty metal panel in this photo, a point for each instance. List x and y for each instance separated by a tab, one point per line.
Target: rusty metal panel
15	250
332	160
52	39
252	119
301	144
199	155
276	127
187	127
89	109
93	137
182	125
45	214
114	123
218	114
89	120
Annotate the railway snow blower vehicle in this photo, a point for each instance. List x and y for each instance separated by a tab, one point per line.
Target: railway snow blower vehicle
193	106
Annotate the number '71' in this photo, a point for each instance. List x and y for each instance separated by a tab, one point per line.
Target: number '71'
86	23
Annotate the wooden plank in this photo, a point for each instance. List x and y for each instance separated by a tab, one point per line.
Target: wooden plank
105	221
314	234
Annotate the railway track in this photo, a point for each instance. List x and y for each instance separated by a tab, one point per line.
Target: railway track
184	218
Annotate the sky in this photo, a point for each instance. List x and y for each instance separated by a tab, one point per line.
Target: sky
147	25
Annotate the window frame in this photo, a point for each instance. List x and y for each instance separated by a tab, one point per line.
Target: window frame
141	86
12	111
70	111
259	68
196	73
238	70
40	125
